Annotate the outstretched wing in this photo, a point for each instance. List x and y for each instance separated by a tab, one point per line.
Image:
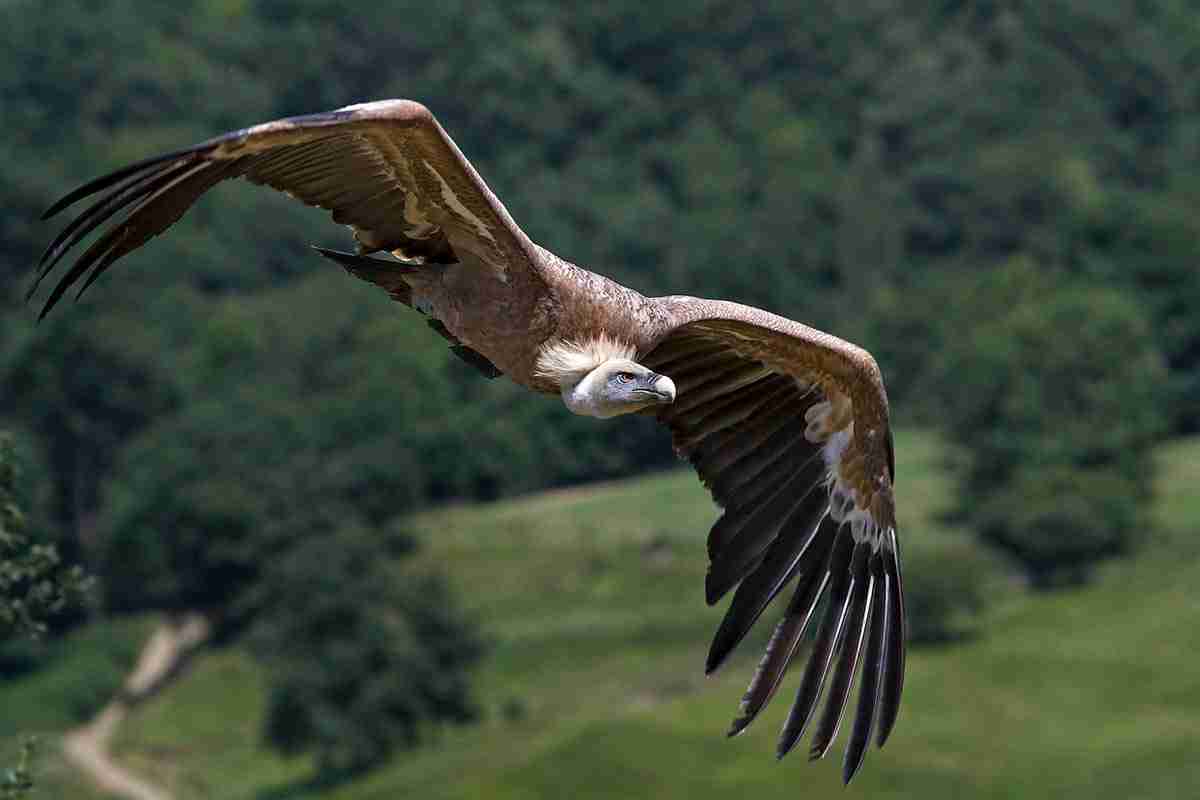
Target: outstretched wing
788	429
386	169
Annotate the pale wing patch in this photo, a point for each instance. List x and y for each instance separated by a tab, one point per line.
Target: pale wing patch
397	168
829	427
456	207
370	104
419	226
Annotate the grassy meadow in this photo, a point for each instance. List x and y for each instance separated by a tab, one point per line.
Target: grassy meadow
594	686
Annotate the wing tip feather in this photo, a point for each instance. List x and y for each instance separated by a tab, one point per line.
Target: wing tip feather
109	178
712	593
878	709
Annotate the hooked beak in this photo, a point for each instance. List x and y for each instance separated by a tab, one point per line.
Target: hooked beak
662	390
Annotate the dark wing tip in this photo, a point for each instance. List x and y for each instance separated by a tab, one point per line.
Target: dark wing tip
828	638
155	204
712	591
861	634
893	659
850	769
801	549
851	642
69	198
108	179
814	575
869	684
44	311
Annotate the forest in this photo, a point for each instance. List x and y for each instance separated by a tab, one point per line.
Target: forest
998	198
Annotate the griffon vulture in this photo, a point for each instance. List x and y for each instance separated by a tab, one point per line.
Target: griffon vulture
787	426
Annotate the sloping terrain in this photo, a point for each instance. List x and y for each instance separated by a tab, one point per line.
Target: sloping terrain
595	688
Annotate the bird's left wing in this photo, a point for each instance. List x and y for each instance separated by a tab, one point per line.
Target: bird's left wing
788	429
385	168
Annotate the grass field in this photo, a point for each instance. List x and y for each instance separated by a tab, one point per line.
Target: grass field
594	686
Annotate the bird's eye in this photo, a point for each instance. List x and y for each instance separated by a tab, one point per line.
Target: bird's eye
625	377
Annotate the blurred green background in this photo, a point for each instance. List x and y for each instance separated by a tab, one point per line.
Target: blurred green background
424	583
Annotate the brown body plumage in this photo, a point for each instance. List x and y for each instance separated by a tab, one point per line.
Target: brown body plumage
787	426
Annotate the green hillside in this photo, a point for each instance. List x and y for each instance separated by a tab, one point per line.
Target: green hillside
999	201
594	687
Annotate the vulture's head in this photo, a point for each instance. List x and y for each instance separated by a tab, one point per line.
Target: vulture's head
618	386
601	379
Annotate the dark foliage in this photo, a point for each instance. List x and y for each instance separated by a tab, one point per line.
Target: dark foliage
850	167
946	604
1060	398
999	199
364	658
35	584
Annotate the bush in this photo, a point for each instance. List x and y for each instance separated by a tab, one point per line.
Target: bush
34	585
362	658
1059	520
34	582
948	581
1056	395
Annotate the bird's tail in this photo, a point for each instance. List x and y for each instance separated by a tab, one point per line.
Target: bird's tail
387	273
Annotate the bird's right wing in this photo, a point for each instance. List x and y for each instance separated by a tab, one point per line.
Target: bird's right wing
788	429
386	168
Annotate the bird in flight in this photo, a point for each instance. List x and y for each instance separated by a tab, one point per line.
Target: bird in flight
786	426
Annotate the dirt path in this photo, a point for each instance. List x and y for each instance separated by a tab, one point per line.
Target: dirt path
162	659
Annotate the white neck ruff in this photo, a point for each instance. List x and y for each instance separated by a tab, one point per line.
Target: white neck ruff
567	363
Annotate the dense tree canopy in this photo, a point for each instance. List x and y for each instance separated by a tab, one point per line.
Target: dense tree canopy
873	169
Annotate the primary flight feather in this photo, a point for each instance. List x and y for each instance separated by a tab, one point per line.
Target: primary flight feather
787	426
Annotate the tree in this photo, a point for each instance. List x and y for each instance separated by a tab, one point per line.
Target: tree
1058	387
838	166
874	169
84	393
265	504
947	604
363	657
34	582
33	586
